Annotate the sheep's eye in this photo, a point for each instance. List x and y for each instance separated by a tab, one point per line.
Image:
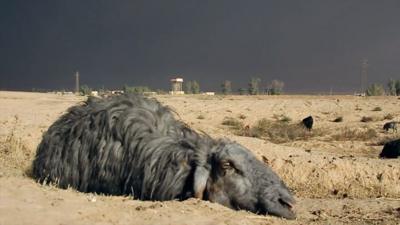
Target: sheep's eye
225	165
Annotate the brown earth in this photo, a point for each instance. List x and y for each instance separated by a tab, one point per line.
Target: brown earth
335	181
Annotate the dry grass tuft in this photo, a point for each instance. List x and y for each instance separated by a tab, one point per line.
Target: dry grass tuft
366	119
377	109
388	117
200	117
233	123
355	135
274	131
286	119
13	152
385	139
242	117
208	97
282	118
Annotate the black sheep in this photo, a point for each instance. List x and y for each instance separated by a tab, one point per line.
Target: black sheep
308	122
125	145
390	125
391	149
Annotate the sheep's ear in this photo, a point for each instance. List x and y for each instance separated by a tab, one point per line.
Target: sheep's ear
200	181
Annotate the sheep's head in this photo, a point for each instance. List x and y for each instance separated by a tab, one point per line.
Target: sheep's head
233	177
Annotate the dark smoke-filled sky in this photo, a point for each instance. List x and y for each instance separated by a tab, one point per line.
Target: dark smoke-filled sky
311	45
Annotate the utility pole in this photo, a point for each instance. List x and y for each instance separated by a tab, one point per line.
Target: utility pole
77	82
364	73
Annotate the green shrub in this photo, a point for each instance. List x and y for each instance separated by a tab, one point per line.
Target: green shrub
375	90
254	86
136	89
226	87
85	90
275	87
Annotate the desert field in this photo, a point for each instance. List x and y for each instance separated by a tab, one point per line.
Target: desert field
334	170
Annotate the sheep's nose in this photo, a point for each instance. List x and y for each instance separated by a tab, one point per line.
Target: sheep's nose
287	203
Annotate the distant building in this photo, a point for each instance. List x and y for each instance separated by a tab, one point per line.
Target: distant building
208	93
117	92
176	86
361	94
149	93
94	93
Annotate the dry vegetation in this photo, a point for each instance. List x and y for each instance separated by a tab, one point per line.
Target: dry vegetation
282	131
13	152
377	109
388	117
351	134
366	119
242	117
333	169
275	131
200	117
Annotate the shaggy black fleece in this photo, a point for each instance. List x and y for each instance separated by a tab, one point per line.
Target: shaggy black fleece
132	145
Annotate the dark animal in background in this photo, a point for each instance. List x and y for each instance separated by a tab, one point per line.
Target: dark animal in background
124	145
390	125
391	149
308	122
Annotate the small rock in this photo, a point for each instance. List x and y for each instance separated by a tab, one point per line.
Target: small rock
91	198
379	177
140	208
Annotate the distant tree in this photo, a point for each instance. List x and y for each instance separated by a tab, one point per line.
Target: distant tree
188	87
141	89
226	87
195	87
125	88
391	87
275	88
161	92
397	86
136	89
254	86
85	90
103	90
242	91
375	90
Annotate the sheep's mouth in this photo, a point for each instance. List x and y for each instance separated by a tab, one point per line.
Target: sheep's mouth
287	209
282	208
286	204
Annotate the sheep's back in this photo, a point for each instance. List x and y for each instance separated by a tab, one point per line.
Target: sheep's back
102	146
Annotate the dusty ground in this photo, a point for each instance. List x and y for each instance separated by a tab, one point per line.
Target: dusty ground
335	181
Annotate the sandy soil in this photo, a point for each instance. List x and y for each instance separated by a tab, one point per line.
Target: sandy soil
335	182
